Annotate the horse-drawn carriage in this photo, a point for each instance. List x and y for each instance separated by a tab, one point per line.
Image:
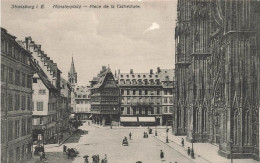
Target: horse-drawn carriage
72	152
145	135
38	149
125	142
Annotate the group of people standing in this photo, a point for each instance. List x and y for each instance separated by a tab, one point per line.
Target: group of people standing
71	152
95	159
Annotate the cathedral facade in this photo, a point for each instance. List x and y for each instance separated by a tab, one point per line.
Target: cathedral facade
217	77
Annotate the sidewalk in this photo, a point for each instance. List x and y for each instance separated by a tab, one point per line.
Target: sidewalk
127	127
204	152
50	155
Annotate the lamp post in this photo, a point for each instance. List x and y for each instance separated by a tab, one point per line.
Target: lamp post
231	143
192	150
156	130
43	136
167	140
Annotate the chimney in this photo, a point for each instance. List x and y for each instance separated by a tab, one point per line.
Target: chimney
103	68
151	71
131	71
158	70
28	42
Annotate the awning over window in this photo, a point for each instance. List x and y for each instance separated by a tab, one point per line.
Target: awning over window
146	119
128	119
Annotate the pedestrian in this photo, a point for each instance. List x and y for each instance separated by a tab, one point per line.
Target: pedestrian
40	153
59	141
105	159
86	160
68	152
130	135
188	151
161	155
64	149
43	155
182	142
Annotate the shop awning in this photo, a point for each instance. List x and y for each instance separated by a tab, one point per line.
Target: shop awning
128	119
146	119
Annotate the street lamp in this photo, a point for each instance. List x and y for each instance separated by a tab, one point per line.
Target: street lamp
231	143
167	140
156	130
192	150
43	135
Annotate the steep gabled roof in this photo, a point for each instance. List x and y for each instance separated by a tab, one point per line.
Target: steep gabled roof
102	77
42	75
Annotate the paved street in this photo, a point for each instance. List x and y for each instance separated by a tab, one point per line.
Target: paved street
109	141
103	140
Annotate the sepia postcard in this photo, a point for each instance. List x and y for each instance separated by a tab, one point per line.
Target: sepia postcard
130	81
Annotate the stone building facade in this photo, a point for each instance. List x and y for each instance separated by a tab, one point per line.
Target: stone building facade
65	104
216	86
146	98
16	100
104	98
82	100
46	96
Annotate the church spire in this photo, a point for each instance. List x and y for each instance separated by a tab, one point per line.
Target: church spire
72	67
72	75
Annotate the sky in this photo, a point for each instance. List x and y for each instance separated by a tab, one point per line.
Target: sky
123	38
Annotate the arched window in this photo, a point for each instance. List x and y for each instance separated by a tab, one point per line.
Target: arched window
204	121
247	127
184	117
179	117
236	127
197	119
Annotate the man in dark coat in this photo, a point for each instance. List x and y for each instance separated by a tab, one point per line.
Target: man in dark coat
130	135
64	148
161	155
188	151
182	142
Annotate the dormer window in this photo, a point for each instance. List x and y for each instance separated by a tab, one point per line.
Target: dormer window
127	76
151	82
128	81
157	82
122	81
122	76
139	76
144	76
133	76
